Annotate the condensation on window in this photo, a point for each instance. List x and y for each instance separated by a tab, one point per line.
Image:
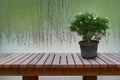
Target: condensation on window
43	25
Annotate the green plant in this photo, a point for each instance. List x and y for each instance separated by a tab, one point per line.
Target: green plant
89	26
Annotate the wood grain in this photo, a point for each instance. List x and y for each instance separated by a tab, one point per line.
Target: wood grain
117	63
41	62
107	61
56	61
78	62
8	58
101	62
25	63
70	60
86	62
63	61
32	64
19	61
94	63
48	63
114	56
4	55
9	63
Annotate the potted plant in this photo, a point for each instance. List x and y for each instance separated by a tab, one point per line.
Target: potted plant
91	27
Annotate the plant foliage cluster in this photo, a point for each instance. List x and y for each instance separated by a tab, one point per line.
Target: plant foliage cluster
89	26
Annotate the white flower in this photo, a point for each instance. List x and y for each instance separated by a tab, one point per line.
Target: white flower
80	22
80	13
107	23
106	17
94	18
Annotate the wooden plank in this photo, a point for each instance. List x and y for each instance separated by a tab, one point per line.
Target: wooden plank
77	60
48	63
115	55
18	62
25	63
109	63
118	54
40	63
106	60
30	78
86	62
32	64
71	63
94	63
7	59
1	54
112	60
4	55
9	63
101	62
56	61
63	61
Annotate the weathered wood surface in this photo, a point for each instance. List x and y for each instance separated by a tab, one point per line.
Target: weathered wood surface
35	64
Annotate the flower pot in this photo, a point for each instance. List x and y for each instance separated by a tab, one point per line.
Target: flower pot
89	50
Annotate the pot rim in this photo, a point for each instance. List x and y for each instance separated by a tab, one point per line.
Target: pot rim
92	42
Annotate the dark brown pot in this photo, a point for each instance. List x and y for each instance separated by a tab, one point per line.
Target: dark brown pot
89	50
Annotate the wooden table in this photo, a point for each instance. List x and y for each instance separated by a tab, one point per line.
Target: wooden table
32	65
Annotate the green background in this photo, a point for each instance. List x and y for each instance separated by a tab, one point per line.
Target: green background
44	24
